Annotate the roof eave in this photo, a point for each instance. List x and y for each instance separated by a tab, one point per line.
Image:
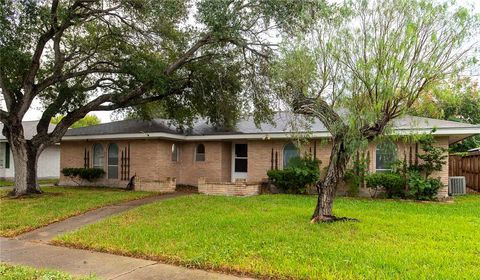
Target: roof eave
447	131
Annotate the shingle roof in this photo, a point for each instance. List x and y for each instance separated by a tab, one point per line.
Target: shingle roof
283	122
124	127
29	129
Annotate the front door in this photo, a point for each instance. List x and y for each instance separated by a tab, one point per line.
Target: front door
239	161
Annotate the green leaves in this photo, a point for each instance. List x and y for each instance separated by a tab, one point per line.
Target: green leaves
377	59
455	100
392	183
423	188
88	120
297	176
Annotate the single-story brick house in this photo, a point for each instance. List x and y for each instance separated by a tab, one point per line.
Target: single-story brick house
161	156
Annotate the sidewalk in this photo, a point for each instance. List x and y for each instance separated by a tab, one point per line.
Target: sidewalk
105	266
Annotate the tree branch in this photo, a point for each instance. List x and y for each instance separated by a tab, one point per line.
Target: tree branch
319	108
7	95
183	59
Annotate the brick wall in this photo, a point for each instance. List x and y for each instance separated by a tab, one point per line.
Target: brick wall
151	159
215	157
165	186
238	188
403	153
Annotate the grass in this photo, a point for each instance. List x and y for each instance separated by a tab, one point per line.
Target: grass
55	204
270	236
19	272
9	183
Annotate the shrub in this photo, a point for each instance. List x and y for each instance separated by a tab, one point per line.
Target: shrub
392	183
295	178
433	158
88	174
422	188
355	177
353	182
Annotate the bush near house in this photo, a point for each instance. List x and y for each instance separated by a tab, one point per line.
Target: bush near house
393	183
300	173
89	174
422	188
355	176
413	181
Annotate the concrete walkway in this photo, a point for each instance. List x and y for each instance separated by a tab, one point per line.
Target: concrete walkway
47	233
31	249
102	265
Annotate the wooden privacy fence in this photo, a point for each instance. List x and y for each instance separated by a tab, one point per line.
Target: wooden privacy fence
468	166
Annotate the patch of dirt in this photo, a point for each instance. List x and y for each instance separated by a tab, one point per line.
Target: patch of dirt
472	191
186	188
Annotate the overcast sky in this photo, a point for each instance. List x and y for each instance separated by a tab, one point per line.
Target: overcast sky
35	110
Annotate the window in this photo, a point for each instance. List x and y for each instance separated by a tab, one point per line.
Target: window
98	156
113	161
386	154
175	153
5	155
289	152
200	153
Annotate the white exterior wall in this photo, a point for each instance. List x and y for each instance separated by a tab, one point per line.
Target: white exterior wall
48	163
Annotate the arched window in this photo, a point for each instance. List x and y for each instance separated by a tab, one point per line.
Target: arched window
200	152
289	152
113	161
175	153
386	154
98	156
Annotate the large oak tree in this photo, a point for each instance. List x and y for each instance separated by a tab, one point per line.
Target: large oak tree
203	57
365	66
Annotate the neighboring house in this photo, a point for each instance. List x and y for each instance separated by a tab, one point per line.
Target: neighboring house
157	152
474	150
48	162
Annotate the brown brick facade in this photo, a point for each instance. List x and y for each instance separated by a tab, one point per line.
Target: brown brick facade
151	159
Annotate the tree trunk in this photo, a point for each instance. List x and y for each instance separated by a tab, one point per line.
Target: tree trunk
25	158
328	186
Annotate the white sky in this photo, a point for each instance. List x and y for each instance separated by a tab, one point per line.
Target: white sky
35	110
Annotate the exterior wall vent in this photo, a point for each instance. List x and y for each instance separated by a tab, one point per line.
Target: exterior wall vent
457	185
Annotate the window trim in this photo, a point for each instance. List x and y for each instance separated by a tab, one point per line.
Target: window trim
198	154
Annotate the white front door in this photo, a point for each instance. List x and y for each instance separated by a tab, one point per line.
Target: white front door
239	161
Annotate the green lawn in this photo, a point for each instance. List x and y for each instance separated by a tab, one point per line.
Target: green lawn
9	183
270	236
57	203
19	272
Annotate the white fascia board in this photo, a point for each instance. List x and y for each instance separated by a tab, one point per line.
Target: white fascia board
125	136
261	136
154	135
440	131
